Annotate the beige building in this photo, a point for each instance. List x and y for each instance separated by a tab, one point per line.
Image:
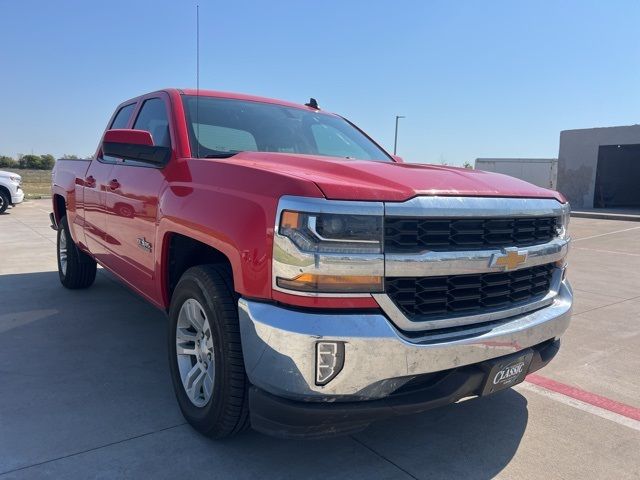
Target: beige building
600	167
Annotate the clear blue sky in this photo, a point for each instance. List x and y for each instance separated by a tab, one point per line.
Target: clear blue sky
474	78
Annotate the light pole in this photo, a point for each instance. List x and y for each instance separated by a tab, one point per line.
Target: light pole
395	140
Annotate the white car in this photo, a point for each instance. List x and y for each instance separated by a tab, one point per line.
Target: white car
10	191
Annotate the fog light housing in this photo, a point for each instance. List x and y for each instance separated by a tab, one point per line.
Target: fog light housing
562	265
329	361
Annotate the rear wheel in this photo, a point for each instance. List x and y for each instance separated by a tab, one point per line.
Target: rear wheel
76	269
205	353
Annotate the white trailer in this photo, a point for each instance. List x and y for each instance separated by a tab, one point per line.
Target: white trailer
542	172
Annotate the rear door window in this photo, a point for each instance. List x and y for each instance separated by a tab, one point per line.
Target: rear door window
121	120
122	117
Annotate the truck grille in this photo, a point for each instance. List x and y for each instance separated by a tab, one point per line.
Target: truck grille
423	298
412	235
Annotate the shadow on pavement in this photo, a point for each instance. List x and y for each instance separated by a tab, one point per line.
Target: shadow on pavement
85	391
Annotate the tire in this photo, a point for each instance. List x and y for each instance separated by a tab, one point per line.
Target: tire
76	269
5	201
205	296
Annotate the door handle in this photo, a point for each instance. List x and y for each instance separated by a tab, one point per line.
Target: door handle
114	184
90	181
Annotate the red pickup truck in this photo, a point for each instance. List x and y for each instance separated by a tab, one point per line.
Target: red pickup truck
314	283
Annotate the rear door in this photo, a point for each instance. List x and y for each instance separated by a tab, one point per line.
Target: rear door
95	184
132	201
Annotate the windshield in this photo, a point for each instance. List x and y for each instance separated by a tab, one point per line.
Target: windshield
225	127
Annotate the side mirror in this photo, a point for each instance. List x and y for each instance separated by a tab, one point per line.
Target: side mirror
134	145
397	158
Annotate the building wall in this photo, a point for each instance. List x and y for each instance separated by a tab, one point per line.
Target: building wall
578	159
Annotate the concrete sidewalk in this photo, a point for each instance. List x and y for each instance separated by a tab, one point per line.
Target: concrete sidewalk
622	214
85	389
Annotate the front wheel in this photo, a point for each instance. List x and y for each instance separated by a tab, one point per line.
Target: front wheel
205	353
76	269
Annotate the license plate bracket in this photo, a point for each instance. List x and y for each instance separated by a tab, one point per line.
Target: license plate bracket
506	372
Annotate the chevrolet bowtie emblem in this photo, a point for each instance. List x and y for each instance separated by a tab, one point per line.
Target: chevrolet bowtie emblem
509	259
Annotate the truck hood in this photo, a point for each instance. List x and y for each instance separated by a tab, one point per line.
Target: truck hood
343	179
8	174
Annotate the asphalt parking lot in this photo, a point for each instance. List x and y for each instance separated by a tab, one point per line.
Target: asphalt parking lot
85	390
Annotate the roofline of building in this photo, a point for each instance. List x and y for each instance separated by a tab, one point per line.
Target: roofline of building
635	125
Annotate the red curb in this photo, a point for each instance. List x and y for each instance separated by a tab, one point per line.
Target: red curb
586	397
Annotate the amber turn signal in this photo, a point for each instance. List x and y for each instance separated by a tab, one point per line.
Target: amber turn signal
290	220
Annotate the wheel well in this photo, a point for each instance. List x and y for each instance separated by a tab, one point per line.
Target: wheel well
184	253
6	191
59	207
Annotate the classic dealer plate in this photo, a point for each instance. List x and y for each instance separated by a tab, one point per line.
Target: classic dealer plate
507	372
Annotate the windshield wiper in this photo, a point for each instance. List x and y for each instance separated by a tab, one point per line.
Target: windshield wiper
222	154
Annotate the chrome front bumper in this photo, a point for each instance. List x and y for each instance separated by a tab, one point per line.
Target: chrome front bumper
17	196
279	348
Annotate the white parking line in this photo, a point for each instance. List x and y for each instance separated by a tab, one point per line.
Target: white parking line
607	251
585	407
604	234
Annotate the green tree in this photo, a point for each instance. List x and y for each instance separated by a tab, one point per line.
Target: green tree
47	161
468	165
30	161
70	156
36	162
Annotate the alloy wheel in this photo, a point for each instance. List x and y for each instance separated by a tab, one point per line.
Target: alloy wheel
194	352
62	251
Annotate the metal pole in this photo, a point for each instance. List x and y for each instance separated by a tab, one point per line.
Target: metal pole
198	80
395	139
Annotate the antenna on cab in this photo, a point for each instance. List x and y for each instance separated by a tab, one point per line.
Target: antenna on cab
198	80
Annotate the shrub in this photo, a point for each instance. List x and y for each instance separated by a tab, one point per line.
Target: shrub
7	162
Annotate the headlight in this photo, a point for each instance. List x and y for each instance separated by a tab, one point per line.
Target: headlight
328	248
16	179
332	233
562	231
